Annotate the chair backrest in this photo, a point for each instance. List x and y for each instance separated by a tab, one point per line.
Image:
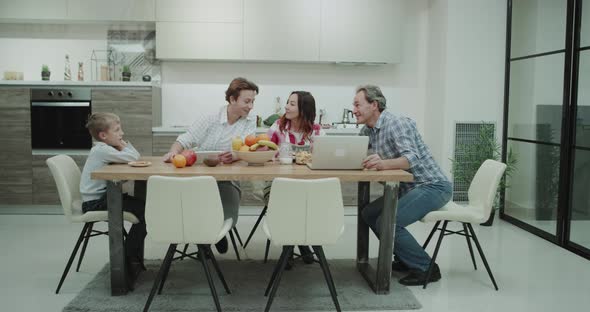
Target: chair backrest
483	187
305	212
67	179
183	210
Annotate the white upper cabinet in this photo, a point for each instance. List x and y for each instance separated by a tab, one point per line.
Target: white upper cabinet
199	41
360	31
111	10
228	11
33	9
282	30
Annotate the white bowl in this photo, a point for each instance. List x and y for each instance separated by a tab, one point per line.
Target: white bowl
256	158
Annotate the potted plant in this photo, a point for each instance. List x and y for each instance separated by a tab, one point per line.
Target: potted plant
45	73
473	155
126	73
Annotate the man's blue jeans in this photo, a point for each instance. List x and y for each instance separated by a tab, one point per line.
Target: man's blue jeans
411	207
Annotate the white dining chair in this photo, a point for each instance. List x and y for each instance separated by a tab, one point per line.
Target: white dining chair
185	211
303	212
67	179
481	195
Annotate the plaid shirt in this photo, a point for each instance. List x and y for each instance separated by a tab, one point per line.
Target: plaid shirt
395	136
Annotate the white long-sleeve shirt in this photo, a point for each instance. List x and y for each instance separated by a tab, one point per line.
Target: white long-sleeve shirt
100	155
213	133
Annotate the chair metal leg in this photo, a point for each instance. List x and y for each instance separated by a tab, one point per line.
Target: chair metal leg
166	271
284	254
238	236
430	235
467	237
233	242
83	251
262	213
275	285
202	253
319	251
432	261
72	256
216	266
483	257
267	248
165	263
184	251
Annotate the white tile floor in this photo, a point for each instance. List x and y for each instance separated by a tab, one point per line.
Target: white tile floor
533	275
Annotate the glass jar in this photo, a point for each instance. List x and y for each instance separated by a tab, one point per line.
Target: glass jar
285	153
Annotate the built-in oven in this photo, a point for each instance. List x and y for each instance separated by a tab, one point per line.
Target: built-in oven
58	118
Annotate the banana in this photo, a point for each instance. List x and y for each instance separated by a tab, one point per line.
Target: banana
270	144
254	146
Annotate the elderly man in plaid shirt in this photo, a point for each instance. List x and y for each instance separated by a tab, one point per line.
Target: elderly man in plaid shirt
396	144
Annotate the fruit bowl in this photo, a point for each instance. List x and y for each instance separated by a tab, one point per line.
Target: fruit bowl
256	158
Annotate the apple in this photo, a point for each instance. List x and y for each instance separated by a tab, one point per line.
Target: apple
191	157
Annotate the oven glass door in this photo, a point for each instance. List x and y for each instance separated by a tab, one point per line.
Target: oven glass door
60	125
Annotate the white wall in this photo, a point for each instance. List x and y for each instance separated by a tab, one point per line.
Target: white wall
466	69
192	88
26	47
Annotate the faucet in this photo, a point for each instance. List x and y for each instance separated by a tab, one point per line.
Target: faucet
346	116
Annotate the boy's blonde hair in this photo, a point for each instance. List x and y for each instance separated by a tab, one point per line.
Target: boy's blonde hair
101	122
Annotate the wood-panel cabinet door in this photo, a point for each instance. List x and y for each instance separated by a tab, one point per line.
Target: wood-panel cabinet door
44	188
134	107
15	146
282	30
162	143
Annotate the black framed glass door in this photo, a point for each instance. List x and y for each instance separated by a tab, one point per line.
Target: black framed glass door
546	123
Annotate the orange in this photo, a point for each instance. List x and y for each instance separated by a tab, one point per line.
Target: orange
250	140
179	161
263	136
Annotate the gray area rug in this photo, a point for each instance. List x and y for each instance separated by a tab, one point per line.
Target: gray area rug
301	289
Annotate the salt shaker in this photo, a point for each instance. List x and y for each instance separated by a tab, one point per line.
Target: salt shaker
285	154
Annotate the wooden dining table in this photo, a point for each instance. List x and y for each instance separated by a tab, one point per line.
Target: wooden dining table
378	277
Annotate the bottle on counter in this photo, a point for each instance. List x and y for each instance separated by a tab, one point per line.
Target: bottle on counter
67	70
80	71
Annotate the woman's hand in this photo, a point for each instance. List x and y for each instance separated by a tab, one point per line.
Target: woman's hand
168	156
226	157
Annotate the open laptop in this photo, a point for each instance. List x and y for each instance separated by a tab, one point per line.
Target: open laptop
339	152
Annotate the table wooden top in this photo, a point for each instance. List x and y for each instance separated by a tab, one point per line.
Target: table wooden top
242	172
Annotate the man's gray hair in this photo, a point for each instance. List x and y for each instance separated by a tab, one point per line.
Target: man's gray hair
373	93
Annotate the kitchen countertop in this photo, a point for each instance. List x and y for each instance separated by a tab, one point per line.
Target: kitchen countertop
40	83
180	129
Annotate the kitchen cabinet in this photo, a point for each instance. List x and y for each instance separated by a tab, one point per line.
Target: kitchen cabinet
195	40
44	188
111	10
33	9
161	143
15	142
281	30
206	11
360	31
134	107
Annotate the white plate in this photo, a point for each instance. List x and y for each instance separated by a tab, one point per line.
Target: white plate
201	155
139	163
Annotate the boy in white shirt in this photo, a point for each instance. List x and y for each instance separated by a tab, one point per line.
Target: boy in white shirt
110	147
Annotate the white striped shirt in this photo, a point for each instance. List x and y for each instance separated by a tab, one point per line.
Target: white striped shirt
213	132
